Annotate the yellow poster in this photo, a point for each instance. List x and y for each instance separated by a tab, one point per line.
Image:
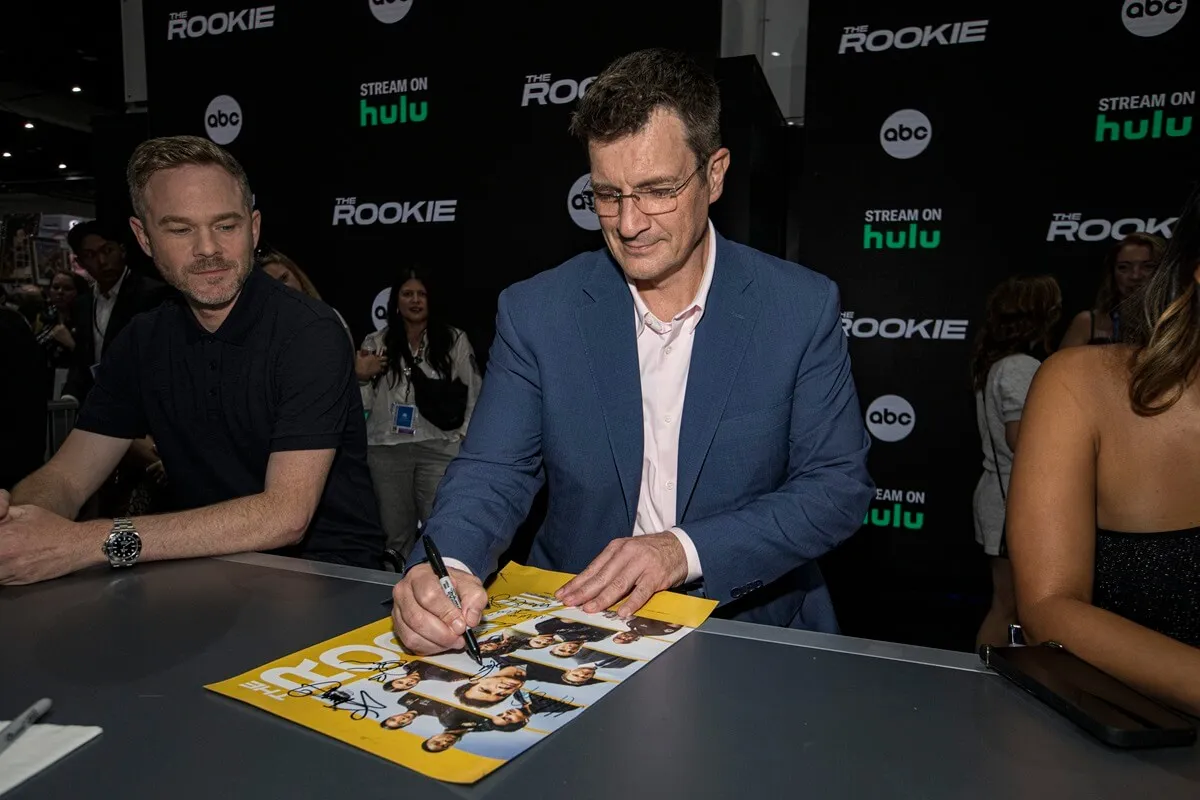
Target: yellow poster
449	718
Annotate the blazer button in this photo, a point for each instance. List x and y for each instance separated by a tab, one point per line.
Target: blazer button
738	592
756	585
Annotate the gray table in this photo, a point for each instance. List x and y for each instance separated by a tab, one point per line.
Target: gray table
735	710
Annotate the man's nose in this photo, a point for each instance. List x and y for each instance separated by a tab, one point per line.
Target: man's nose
630	219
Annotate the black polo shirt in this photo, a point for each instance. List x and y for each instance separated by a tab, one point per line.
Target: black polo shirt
277	375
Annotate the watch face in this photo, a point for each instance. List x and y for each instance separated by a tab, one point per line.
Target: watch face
123	547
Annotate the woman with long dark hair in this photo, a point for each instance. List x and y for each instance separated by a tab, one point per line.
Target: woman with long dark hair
1104	516
1021	312
415	420
1127	267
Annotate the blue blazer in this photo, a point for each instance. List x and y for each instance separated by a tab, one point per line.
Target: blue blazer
772	447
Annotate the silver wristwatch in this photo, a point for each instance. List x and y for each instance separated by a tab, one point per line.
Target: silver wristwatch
123	545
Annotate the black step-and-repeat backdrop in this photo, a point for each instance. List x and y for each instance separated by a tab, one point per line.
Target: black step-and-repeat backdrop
381	134
950	144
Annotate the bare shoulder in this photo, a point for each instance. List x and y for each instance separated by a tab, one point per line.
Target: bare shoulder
1082	319
1093	377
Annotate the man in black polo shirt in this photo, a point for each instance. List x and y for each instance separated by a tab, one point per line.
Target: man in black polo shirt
247	387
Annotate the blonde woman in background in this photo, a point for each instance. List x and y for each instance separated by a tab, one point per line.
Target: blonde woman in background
1127	268
287	272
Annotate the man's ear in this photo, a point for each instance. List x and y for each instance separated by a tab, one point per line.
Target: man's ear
716	173
139	231
256	224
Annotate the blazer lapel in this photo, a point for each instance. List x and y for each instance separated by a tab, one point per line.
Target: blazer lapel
721	340
606	323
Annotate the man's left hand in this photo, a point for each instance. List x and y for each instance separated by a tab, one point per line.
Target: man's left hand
637	566
37	545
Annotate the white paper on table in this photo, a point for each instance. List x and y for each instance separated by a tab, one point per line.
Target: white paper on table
38	748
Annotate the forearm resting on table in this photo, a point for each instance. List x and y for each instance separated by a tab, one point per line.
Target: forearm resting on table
75	472
258	522
1150	662
47	489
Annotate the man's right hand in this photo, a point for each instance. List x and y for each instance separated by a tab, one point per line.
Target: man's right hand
425	620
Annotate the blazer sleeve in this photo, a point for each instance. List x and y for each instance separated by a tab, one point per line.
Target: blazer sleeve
465	370
489	488
827	490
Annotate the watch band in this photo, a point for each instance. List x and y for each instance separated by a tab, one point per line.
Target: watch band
123	545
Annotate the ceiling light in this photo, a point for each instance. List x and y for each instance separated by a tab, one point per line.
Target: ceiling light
29	126
775	53
62	166
7	154
76	89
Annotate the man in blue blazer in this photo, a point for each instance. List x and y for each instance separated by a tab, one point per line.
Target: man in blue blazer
687	400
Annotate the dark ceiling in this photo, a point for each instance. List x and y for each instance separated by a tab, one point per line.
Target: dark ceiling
46	48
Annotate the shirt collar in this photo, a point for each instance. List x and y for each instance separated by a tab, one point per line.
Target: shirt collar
696	308
116	287
245	314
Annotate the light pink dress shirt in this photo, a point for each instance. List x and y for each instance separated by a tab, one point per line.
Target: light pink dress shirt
664	358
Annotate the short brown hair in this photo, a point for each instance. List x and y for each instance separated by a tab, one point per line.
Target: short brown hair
622	98
168	152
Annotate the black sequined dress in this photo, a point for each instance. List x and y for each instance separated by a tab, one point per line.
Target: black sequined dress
1152	579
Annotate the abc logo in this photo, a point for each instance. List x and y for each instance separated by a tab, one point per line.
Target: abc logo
389	11
1152	17
223	119
891	418
379	309
906	133
580	204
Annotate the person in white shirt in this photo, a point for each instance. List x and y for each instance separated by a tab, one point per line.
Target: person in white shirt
119	294
407	449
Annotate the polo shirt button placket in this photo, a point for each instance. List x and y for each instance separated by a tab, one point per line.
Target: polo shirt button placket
212	376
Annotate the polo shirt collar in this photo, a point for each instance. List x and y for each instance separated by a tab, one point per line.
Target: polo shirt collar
243	317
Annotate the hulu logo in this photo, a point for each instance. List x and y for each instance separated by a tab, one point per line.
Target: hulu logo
400	112
895	517
910	238
1133	129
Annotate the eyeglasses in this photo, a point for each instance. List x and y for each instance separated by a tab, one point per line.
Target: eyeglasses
661	200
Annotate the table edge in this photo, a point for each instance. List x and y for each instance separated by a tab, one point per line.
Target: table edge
836	643
892	651
322	568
